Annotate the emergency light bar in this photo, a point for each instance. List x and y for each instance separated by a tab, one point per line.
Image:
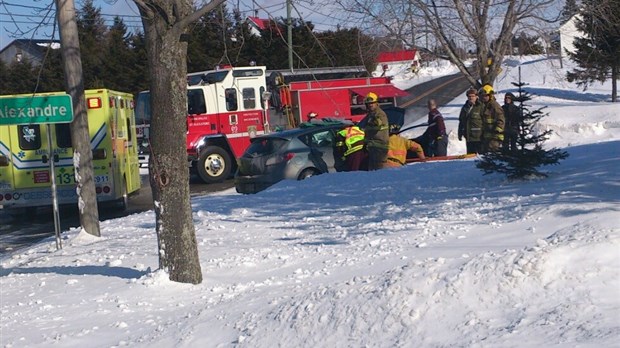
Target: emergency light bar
93	103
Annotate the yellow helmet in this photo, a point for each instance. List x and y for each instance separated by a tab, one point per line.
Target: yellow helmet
486	89
371	98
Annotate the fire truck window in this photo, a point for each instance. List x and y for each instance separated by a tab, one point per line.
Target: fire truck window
196	102
63	135
231	99
262	100
29	137
249	98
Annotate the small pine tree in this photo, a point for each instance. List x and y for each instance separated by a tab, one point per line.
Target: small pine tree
530	155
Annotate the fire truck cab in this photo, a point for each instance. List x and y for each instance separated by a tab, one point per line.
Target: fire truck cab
225	109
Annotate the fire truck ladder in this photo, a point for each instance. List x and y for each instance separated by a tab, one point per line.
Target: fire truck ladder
287	104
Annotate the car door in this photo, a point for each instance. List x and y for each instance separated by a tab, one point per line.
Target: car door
322	144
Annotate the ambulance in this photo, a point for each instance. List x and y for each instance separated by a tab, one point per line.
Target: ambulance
25	178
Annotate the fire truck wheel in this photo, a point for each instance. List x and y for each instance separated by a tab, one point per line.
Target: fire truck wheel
214	165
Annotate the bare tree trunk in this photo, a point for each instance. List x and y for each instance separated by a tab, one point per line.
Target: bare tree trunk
165	23
614	83
80	136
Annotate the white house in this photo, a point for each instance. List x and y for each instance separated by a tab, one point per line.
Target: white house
568	33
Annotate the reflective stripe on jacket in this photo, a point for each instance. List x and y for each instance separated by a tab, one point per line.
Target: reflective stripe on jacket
493	120
353	139
398	147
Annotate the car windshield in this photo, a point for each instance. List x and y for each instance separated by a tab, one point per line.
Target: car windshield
264	146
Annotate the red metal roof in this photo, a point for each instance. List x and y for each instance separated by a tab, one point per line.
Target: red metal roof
396	56
381	91
262	24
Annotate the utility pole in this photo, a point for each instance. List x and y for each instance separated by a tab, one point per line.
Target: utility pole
289	32
80	137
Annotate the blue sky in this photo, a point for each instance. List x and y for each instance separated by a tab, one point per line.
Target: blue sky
19	19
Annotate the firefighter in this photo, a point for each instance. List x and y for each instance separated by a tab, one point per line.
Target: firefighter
376	133
350	147
470	122
492	120
313	117
398	147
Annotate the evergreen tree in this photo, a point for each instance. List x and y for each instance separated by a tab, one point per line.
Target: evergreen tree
568	11
597	53
21	77
361	48
246	47
4	78
51	74
117	62
523	163
140	76
92	29
209	41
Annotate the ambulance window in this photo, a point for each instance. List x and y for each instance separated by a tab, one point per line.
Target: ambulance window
29	137
231	99
129	130
196	102
249	98
63	135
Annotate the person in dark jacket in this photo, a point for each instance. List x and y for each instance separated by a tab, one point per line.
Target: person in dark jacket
470	122
434	140
376	133
512	116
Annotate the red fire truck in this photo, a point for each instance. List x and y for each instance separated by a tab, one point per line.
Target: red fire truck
228	106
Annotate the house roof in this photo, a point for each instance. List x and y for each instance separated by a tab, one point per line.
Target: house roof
396	56
32	45
261	24
264	24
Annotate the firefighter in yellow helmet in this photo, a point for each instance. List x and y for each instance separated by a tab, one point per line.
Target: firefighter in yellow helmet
376	133
492	120
397	153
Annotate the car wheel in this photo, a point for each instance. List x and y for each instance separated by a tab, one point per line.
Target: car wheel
214	165
307	173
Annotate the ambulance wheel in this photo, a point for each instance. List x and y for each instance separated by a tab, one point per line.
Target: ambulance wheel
123	202
214	165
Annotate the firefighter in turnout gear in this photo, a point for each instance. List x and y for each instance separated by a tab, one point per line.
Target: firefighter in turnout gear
398	147
492	120
350	147
470	122
376	133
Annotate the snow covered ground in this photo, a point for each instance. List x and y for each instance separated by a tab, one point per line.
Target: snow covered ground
429	255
